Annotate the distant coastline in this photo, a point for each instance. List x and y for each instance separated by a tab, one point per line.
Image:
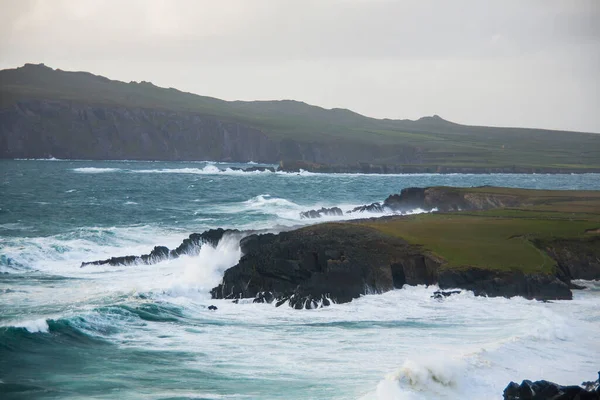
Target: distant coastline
47	112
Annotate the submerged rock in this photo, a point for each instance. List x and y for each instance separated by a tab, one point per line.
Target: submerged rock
440	294
333	211
544	390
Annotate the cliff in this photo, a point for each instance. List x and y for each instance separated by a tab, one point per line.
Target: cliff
47	112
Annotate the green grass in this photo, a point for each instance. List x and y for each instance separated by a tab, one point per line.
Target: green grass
501	239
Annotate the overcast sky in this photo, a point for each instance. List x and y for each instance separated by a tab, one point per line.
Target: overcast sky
526	63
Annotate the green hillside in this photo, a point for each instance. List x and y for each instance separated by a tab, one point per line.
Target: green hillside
434	141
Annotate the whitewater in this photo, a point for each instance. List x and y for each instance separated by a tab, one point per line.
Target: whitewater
145	332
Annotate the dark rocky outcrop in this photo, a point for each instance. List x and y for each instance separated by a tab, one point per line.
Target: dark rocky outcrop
315	265
485	282
544	390
576	259
333	211
442	199
189	246
440	294
312	266
373	207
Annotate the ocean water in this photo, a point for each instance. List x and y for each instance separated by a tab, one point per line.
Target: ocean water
144	332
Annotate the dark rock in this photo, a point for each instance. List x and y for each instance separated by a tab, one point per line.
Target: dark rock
374	207
576	259
591	386
311	266
484	282
409	199
212	308
544	390
440	294
442	199
264	297
333	211
189	246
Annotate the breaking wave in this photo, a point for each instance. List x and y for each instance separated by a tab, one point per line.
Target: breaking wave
94	170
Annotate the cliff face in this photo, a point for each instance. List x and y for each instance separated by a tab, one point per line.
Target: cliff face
37	128
312	266
64	129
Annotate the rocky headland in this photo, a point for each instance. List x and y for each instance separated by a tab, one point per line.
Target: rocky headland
492	241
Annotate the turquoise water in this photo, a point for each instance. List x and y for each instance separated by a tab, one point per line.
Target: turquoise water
145	332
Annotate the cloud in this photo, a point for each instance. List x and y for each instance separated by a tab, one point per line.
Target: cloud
506	62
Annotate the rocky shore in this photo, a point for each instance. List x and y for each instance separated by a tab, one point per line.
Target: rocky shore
370	168
544	390
336	262
313	266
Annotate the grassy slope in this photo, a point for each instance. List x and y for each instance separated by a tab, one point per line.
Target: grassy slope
441	142
501	239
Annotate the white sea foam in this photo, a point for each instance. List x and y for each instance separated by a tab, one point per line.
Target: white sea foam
63	254
267	201
41	159
199	274
209	169
286	213
94	170
34	326
433	377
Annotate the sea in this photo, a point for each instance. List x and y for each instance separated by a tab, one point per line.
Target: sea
145	331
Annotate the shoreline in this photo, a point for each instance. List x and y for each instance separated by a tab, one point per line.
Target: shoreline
352	169
385	169
493	241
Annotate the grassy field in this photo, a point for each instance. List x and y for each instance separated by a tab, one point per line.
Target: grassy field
439	142
501	239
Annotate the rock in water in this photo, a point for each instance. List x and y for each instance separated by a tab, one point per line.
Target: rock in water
333	211
212	308
440	294
544	390
190	246
374	207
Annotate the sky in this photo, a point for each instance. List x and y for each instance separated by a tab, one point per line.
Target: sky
526	63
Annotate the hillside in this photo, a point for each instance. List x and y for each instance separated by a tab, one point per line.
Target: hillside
46	112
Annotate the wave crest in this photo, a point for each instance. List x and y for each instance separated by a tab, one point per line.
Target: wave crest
427	378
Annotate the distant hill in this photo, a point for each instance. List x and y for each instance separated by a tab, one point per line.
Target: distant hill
49	112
